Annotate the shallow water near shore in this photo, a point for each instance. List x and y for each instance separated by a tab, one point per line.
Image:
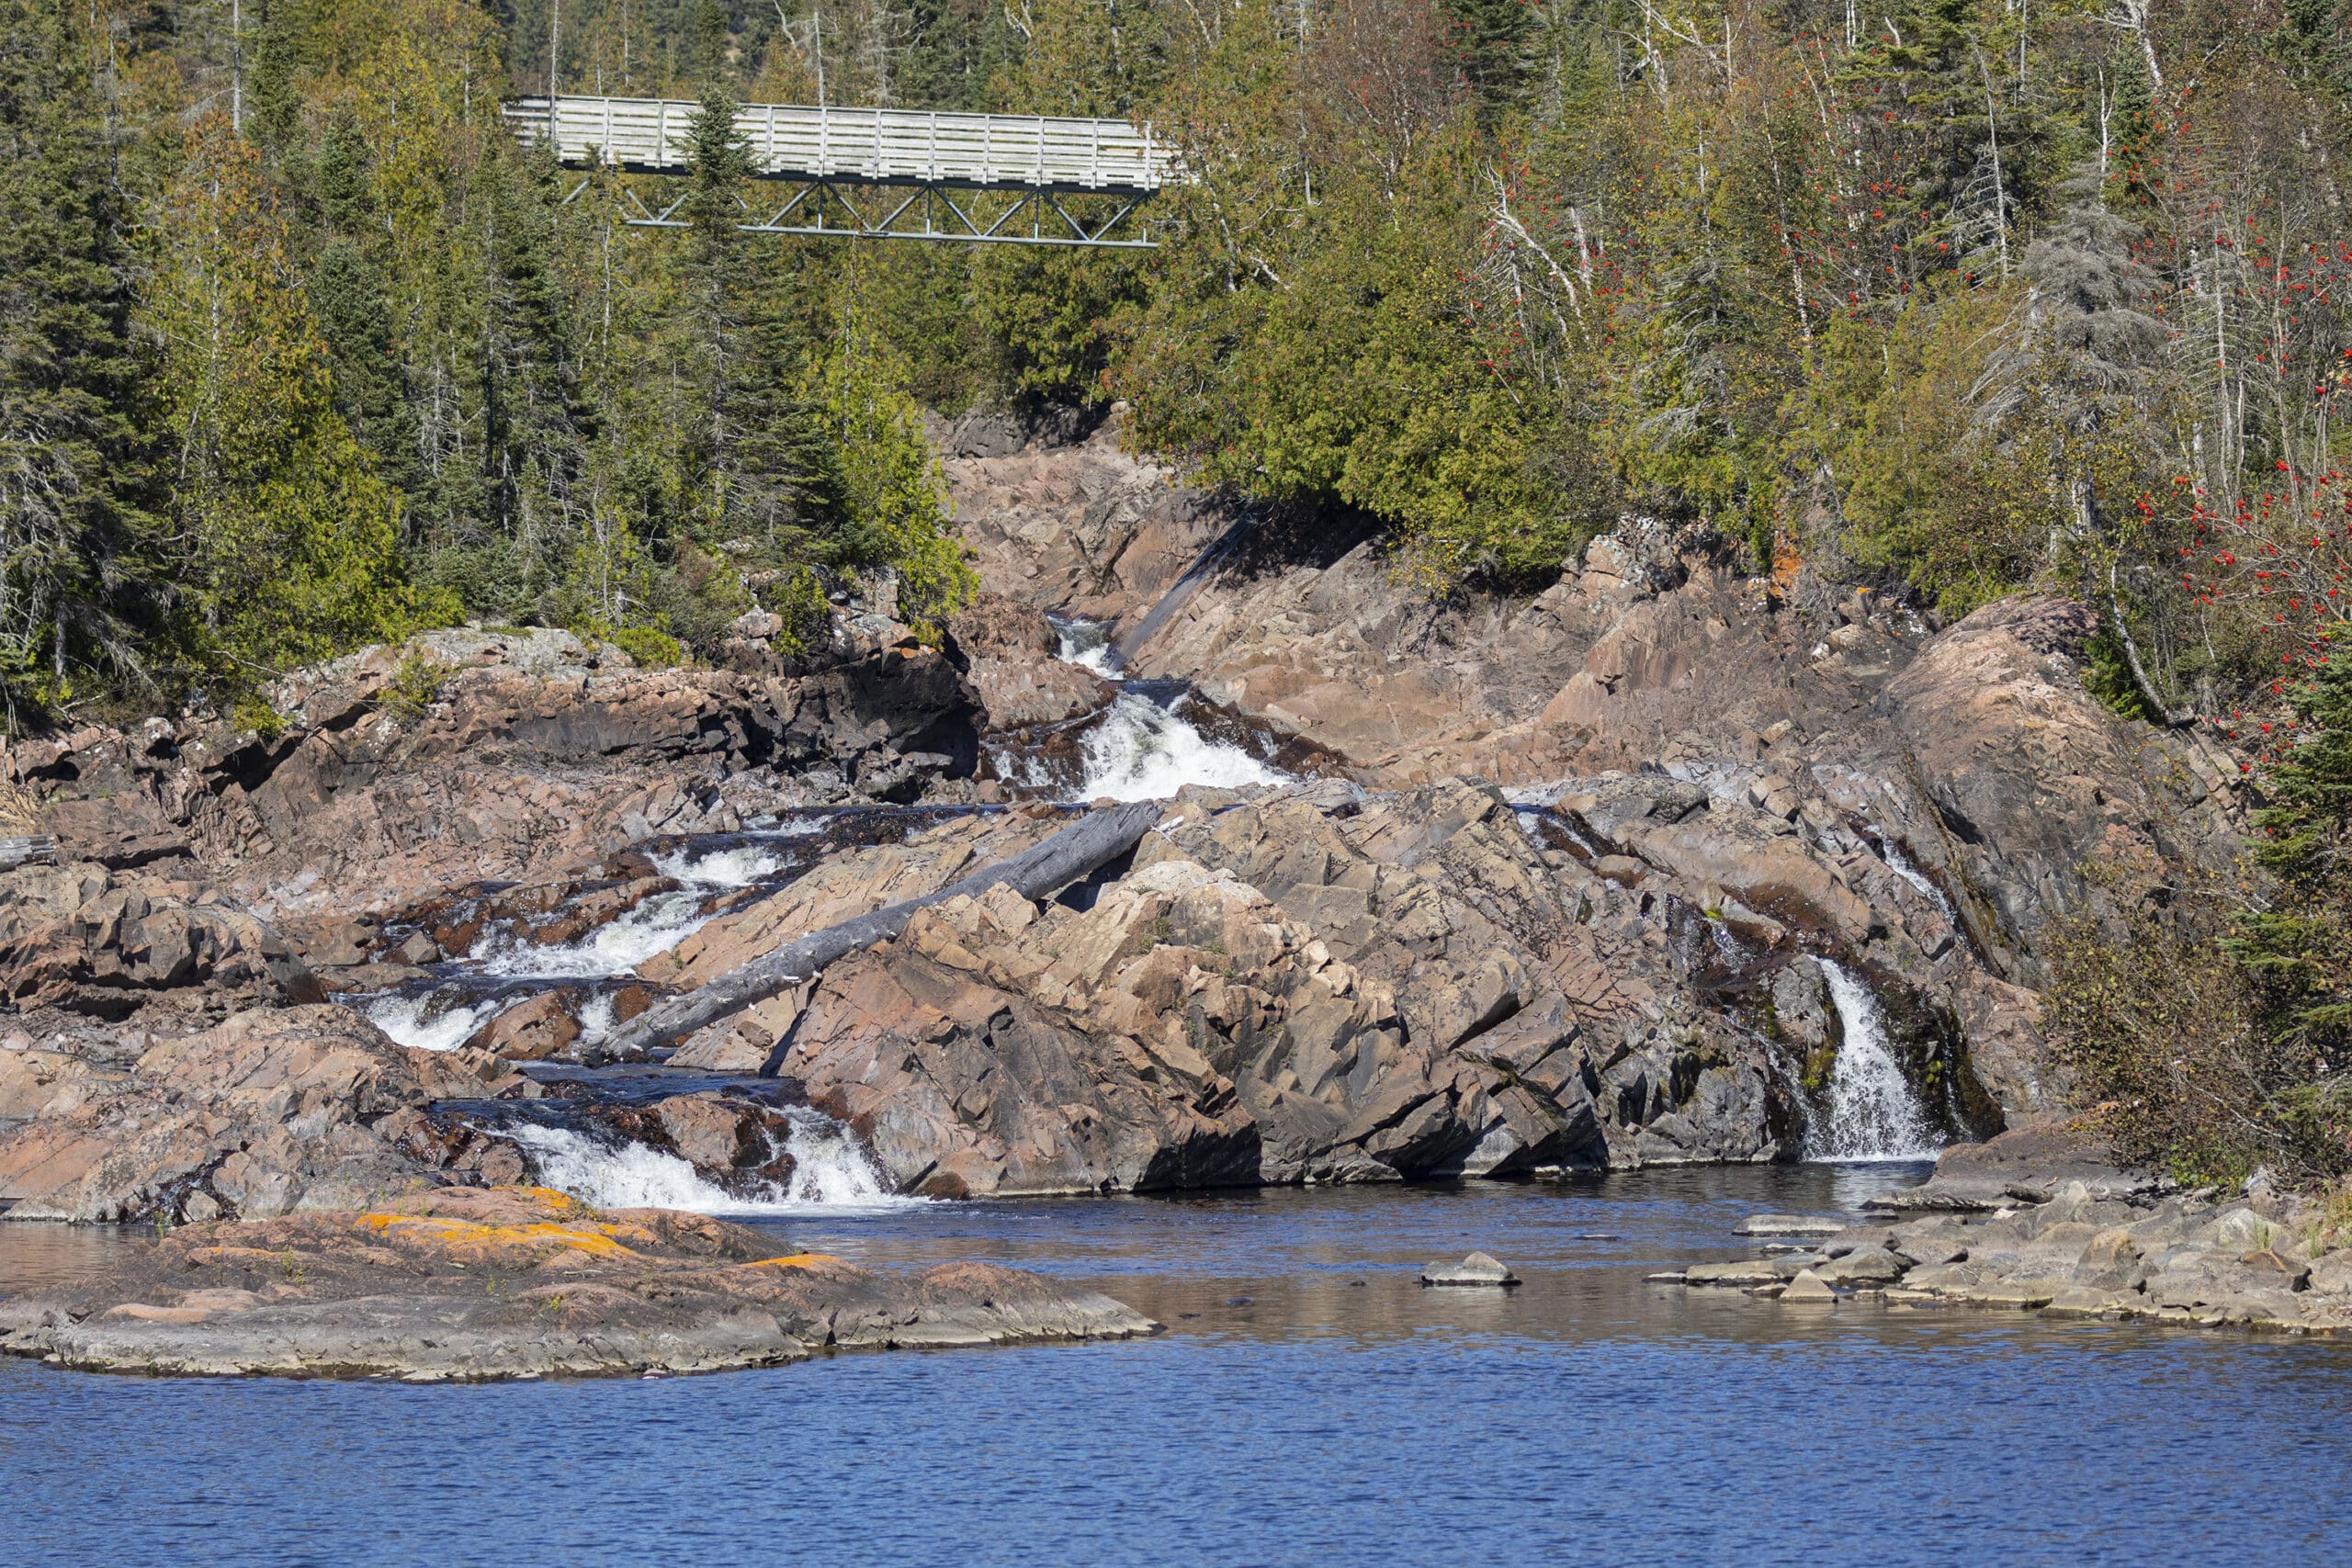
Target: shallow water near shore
1311	1402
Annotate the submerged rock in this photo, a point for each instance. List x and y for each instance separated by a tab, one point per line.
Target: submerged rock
467	1285
1790	1224
1479	1268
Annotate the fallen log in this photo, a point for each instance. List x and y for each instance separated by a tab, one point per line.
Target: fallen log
1077	851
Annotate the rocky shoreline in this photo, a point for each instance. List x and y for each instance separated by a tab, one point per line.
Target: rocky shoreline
2041	1221
1669	864
480	1284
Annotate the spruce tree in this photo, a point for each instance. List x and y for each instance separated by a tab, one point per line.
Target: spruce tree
2298	945
1959	150
1490	43
348	292
535	415
70	456
767	484
276	99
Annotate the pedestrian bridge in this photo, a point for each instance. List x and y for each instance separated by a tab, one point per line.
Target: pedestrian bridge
879	173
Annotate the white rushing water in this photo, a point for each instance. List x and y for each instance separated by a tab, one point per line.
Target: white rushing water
1088	645
1871	1112
830	1174
1899	864
616	947
404	1019
739	866
1143	751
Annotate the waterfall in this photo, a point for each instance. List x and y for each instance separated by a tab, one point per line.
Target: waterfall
830	1172
1899	864
410	1020
1872	1113
1142	751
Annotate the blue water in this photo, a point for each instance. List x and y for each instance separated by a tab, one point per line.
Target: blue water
1291	1415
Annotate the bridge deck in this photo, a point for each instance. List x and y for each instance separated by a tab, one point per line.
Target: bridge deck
877	146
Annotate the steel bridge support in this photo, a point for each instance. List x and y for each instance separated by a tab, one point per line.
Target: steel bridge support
835	209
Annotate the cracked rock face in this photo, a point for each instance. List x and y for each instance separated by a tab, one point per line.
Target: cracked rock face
269	1111
1580	886
1863	736
1272	993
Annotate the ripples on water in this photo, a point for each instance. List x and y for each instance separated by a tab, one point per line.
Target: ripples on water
1585	1417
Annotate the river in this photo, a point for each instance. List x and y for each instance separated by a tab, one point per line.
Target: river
1311	1402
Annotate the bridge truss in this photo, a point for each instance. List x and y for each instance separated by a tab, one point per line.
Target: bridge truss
878	173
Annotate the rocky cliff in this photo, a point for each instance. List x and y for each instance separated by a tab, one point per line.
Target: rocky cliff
1667	862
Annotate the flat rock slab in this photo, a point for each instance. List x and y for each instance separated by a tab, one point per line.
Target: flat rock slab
1479	1268
477	1283
1792	1224
1732	1274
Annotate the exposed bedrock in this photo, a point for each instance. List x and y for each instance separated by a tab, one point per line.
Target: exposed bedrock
461	1286
464	755
1667	863
1326	985
1968	765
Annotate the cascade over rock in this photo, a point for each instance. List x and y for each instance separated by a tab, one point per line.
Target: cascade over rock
1667	863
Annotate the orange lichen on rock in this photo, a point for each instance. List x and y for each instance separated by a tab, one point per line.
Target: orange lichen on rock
796	1260
461	1237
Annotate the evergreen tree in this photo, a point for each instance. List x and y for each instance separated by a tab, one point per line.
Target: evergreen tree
535	416
2316	35
347	291
2300	945
71	456
286	541
707	44
277	97
1954	154
765	480
1491	44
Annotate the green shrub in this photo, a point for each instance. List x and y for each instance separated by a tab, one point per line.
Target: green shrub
653	649
416	685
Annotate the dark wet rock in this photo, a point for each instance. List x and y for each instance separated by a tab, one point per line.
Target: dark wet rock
465	1285
1479	1268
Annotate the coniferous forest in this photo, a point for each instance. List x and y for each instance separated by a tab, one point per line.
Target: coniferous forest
303	348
